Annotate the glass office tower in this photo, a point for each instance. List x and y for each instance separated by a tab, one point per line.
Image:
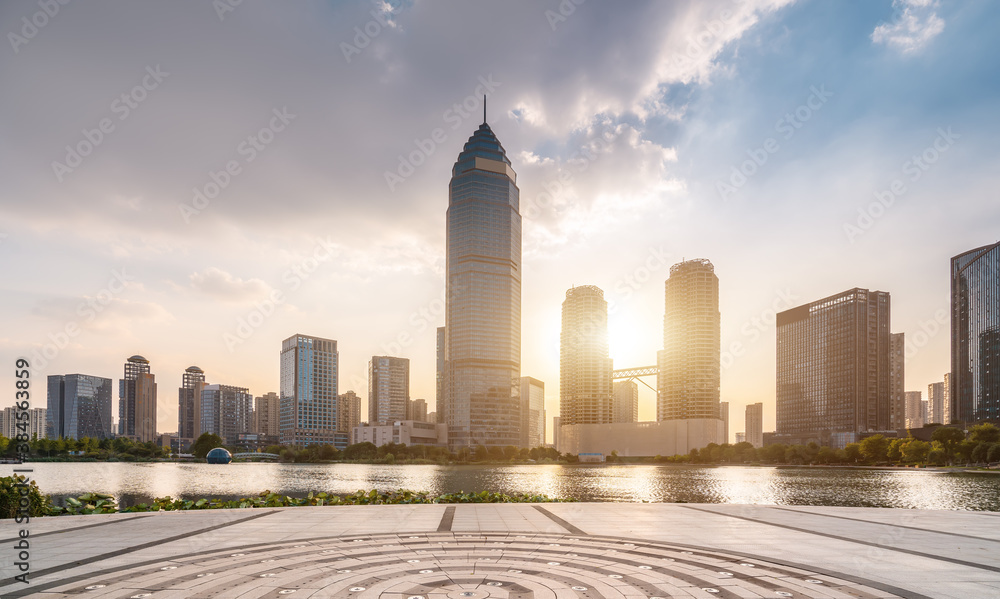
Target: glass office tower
308	392
975	335
483	313
79	406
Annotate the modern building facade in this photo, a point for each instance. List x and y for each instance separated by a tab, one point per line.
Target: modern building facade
37	423
308	392
226	411
585	383
724	415
79	405
416	409
754	424
632	439
440	376
897	382
388	389
532	412
349	412
689	372
626	401
916	412
137	401
406	432
946	409
483	297
741	437
975	335
935	403
267	415
833	369
188	399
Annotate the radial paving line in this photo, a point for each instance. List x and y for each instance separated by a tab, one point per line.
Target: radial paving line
59	532
447	519
852	540
928	530
559	521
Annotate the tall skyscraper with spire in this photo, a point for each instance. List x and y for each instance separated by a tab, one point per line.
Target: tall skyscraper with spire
483	289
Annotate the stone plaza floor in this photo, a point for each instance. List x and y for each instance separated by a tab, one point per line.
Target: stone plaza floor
512	551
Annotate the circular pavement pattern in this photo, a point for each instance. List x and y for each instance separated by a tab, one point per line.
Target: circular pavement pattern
447	565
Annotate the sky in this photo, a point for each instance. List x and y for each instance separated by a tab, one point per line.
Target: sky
195	182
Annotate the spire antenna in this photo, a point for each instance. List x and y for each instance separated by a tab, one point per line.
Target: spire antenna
484	109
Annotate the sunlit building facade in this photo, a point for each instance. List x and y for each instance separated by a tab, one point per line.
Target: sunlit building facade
975	335
388	389
935	403
308	392
916	413
226	411
585	383
188	398
79	405
483	297
897	382
626	401
267	415
689	372
532	412
348	412
137	401
833	369
754	424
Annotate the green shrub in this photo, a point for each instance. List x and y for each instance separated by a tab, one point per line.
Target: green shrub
11	488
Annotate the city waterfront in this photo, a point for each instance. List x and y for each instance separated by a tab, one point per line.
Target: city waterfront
132	483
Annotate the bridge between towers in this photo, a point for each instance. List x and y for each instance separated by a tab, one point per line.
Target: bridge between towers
635	373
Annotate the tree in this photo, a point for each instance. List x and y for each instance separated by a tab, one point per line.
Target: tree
895	452
874	448
984	433
981	452
360	451
852	452
994	454
916	451
949	437
204	444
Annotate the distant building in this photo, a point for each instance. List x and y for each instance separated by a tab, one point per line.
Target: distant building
79	405
439	410
532	412
724	415
556	425
349	412
309	371
625	407
388	389
897	382
741	437
833	369
975	335
946	403
633	439
35	429
226	411
689	370
584	364
267	415
935	403
188	398
416	409
755	424
407	432
137	401
916	412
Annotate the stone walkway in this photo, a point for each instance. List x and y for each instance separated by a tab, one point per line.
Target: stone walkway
512	551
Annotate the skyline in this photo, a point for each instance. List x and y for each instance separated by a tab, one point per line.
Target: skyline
646	194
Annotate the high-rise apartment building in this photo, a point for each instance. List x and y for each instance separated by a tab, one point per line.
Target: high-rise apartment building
897	382
79	406
755	424
935	403
532	412
440	377
416	409
688	380
584	364
309	371
349	412
137	401
388	389
946	412
625	407
741	437
188	400
975	335
833	369
483	297
724	415
35	426
226	411
267	415
915	410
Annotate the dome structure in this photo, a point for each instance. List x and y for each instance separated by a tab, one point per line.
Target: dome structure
138	358
219	455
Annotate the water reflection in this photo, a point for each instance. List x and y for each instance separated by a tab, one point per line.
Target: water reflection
134	483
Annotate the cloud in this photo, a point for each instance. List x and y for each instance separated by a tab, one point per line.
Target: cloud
221	285
915	26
